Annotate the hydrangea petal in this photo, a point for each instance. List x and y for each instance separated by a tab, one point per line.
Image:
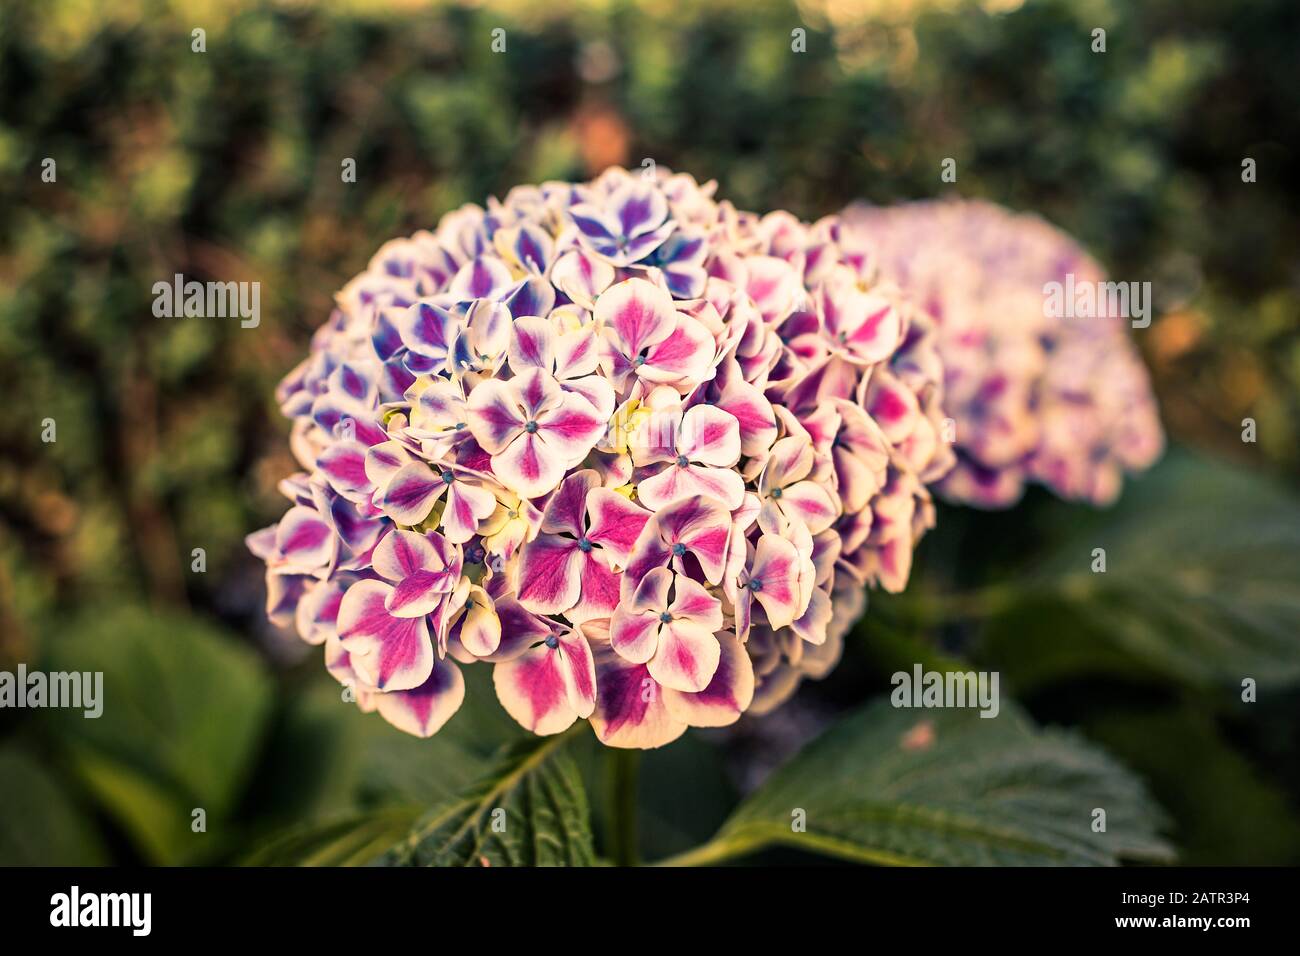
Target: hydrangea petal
687	656
422	711
728	695
550	574
411	493
630	710
387	652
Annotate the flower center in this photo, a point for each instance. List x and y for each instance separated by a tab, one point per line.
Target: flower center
640	360
679	549
448	477
531	427
458	426
584	545
552	642
756	585
682	461
665	617
776	492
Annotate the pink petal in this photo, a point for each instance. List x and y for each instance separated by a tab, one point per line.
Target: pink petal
494	416
485	277
417	594
638	313
684	357
687	656
704	527
577	353
579	672
615	523
651	593
532	344
598	392
692	601
410	495
527	467
387	652
812	503
753	414
304	541
812	626
533	690
791	460
773	286
427	329
344	467
401	553
520	629
550	574
709	436
385	460
480	627
634	634
630	710
566	509
728	695
467	505
318	611
582	276
675	482
651	551
776	569
571	429
872	328
423	710
600	589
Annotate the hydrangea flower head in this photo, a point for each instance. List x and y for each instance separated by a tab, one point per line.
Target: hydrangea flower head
1063	401
635	450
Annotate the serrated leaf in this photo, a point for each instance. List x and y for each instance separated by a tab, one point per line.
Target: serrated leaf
1201	580
530	810
946	787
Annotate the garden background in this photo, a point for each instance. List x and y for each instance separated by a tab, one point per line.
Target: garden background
226	165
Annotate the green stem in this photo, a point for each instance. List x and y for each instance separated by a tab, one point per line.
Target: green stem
621	810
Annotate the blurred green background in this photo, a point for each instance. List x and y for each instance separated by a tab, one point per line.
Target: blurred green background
226	165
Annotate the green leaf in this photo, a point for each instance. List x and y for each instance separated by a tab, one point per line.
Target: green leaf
352	841
1200	580
893	786
184	710
530	810
40	825
1228	810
